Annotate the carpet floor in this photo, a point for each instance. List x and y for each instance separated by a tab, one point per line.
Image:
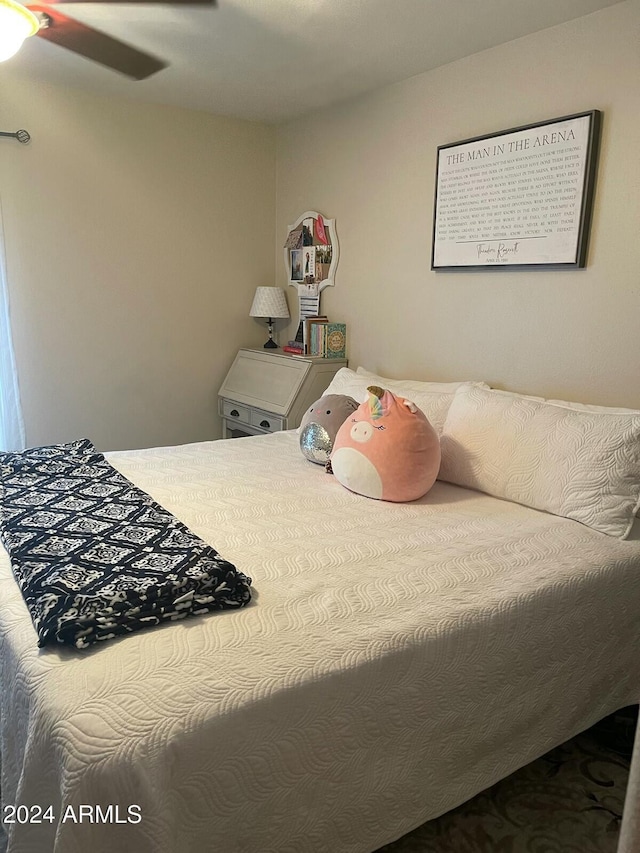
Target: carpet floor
568	801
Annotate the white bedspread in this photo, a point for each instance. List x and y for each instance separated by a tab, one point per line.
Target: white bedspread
397	659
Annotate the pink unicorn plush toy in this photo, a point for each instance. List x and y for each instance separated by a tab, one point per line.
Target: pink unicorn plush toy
386	449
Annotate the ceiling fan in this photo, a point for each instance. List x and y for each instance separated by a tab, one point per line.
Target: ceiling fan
18	22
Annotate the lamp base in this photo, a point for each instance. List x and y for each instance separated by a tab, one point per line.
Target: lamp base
270	344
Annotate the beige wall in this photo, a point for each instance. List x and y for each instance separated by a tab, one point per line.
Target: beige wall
136	234
370	163
135	237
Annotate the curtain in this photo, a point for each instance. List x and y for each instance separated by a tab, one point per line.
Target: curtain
12	436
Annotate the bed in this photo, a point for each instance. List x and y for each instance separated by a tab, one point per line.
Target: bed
395	660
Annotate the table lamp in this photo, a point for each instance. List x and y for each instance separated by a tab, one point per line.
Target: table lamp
269	303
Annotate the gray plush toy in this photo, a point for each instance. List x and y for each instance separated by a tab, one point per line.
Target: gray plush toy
321	423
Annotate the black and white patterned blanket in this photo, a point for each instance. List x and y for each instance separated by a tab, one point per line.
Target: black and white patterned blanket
95	556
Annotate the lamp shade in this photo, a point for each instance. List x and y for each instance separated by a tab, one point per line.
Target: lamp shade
269	302
16	24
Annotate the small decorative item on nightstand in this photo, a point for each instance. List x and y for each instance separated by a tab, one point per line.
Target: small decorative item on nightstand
269	303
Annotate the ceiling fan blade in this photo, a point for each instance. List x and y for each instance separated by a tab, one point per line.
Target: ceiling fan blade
146	2
96	45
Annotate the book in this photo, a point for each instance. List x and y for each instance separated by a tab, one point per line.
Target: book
306	329
317	337
293	350
336	340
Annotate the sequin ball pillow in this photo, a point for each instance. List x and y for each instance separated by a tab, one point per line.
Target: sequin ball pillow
321	423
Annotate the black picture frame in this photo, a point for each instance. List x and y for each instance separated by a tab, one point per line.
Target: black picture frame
517	199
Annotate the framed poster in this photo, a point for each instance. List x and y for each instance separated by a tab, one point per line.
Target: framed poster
517	199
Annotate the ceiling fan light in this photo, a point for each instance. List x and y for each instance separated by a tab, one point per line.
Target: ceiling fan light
16	24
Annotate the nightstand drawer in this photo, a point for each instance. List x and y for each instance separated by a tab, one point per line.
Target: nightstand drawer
265	420
235	411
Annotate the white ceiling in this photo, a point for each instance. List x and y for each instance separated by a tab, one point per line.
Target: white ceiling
272	60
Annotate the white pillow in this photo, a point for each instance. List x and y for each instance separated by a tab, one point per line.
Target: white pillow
416	386
433	398
347	381
590	408
577	463
586	407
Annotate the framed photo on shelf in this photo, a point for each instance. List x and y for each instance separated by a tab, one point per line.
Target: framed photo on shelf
517	199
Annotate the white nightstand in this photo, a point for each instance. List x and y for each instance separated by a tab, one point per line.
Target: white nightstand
269	390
